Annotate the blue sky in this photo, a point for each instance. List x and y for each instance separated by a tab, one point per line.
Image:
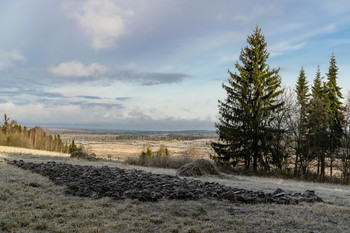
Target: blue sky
152	65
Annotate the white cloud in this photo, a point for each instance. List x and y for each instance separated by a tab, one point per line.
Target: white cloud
104	21
40	114
300	40
257	12
8	59
225	59
77	69
285	46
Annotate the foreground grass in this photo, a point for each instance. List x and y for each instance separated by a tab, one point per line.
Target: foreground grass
31	203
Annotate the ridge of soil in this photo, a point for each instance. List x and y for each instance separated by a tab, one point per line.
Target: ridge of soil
119	184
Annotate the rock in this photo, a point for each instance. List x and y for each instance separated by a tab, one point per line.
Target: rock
229	195
199	167
310	196
278	191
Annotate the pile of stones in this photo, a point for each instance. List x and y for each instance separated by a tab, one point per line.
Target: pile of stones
119	184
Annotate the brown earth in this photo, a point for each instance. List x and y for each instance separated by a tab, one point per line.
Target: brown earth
119	184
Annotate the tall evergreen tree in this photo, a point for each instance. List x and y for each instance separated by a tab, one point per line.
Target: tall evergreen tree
302	91
335	109
244	127
318	124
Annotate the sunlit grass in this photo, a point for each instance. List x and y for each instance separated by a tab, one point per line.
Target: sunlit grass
17	150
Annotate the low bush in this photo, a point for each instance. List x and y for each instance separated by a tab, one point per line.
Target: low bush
160	158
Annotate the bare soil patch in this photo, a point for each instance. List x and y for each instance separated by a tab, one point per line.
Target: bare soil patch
118	184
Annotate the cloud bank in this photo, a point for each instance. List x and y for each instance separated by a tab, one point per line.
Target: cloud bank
96	71
77	69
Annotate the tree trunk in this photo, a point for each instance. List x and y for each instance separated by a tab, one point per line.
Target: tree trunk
322	166
296	163
255	163
331	166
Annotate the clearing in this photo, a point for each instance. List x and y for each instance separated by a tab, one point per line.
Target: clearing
31	202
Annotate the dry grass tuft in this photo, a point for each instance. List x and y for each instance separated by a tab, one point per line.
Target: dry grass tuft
199	167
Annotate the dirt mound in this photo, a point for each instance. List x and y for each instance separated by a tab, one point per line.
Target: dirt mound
199	167
82	155
119	184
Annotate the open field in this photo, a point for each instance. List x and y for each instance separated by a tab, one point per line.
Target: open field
106	146
109	146
31	203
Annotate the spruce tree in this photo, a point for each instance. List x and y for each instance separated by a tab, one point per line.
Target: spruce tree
335	109
244	127
302	91
318	124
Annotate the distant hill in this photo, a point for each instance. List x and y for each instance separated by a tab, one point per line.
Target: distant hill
137	135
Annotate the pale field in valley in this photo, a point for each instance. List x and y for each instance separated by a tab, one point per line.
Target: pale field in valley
122	149
47	209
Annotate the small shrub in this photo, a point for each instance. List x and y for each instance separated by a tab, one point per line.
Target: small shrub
201	211
73	147
145	156
160	158
163	152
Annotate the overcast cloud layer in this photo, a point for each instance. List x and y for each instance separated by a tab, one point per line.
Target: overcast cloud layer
152	65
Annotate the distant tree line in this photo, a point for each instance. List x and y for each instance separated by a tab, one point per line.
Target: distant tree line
160	137
264	127
13	134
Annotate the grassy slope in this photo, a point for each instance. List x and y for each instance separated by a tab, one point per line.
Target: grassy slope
25	208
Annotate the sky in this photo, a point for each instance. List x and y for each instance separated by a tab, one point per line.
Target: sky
155	64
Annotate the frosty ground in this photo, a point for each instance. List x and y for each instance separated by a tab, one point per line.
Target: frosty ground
45	207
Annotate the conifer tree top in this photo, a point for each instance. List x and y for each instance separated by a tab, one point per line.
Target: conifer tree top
317	85
302	87
332	78
256	50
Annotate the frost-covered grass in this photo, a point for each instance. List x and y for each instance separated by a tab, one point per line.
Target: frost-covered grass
31	203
